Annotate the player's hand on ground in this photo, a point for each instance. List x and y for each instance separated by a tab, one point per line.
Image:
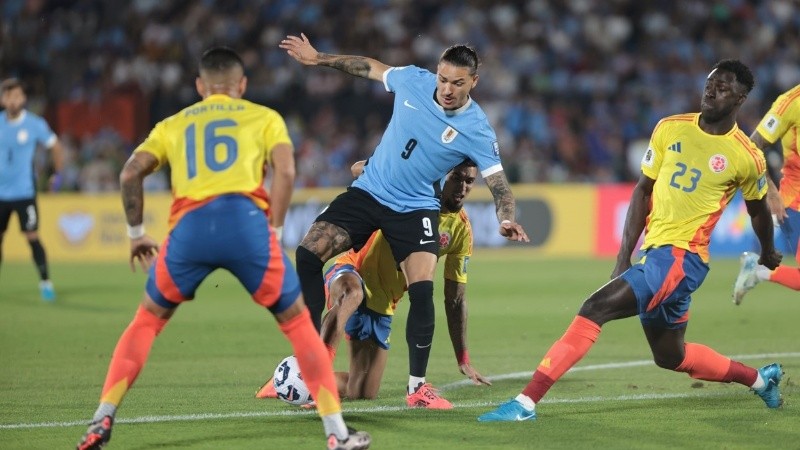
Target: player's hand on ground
770	260
513	232
473	374
300	49
144	250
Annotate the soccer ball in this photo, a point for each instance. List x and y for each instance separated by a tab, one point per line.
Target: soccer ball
289	383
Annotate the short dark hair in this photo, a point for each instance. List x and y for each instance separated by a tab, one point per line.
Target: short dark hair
462	56
220	59
738	68
11	83
467	162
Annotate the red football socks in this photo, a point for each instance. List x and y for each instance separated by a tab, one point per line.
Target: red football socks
314	361
565	353
130	355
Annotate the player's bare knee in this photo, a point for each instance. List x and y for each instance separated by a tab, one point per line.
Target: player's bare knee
669	362
326	240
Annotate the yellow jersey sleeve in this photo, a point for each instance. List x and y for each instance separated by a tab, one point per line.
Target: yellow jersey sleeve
781	117
651	161
455	242
753	181
156	144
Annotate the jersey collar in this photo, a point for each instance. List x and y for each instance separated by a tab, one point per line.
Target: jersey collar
451	112
18	120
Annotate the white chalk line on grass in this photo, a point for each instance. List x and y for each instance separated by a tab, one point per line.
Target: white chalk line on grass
621	365
374	409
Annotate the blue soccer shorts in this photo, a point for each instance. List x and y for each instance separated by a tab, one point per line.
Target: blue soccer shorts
663	282
229	232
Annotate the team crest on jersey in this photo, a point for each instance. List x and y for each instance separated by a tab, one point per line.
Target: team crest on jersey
771	123
647	159
449	134
22	136
444	239
718	163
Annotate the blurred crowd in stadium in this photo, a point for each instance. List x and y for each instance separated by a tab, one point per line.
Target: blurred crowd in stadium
573	87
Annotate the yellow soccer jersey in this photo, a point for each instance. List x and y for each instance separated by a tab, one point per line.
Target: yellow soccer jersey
782	122
696	176
217	146
385	283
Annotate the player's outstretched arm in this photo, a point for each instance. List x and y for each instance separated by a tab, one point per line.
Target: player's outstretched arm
761	219
505	206
131	180
455	305
300	48
634	223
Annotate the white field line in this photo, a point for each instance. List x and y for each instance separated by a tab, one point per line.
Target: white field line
374	409
621	365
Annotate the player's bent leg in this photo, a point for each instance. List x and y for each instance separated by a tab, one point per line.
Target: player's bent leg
321	243
704	363
317	369
127	361
367	364
615	300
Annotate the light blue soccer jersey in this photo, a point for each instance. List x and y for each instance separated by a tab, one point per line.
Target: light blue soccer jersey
18	140
423	142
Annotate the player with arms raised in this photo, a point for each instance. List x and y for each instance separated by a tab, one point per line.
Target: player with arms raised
435	125
690	172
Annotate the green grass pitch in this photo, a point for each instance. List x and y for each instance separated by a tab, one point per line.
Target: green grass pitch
197	389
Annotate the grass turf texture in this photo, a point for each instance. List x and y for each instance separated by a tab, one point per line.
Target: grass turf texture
197	389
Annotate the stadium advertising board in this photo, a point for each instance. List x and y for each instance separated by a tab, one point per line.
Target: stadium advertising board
559	220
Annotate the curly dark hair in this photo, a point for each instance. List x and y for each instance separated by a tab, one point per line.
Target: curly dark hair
738	68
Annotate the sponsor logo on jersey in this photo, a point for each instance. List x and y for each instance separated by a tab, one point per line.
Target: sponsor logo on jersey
444	239
496	148
718	163
649	156
22	136
762	181
771	123
449	134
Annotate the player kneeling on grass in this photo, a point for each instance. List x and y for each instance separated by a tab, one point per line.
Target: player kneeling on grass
690	172
219	221
363	289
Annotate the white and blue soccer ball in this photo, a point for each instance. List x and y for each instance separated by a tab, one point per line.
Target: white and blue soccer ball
289	383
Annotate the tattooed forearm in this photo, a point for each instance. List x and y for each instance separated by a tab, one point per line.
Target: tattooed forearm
133	202
131	180
354	65
503	198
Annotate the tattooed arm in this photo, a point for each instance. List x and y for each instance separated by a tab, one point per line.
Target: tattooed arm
131	179
301	49
505	206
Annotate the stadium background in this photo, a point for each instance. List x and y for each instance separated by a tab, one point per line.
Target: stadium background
573	88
